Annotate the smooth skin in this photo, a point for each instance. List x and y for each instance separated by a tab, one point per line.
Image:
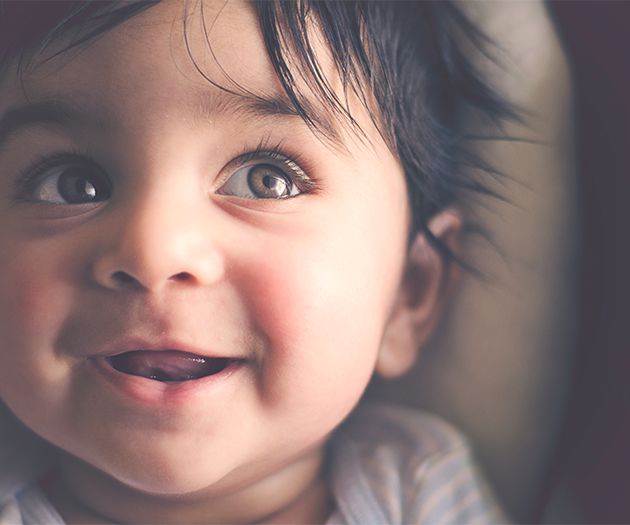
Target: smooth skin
314	292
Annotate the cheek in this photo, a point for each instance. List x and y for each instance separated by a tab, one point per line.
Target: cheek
32	298
34	301
322	304
26	303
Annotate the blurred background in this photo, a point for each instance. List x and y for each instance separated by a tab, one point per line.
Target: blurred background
533	363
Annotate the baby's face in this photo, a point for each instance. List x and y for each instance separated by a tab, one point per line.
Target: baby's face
139	212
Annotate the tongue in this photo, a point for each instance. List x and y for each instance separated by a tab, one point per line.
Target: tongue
167	365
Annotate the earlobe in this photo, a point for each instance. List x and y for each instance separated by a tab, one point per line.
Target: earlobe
426	283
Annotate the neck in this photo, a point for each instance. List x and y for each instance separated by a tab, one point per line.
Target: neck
296	494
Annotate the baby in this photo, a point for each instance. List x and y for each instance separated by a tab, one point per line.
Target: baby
217	221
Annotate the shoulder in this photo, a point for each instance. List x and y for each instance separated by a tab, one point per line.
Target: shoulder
396	465
385	440
408	430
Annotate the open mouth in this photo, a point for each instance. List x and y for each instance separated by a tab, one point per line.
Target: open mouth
169	365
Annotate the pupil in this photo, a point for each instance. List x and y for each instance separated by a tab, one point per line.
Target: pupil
271	182
266	182
76	188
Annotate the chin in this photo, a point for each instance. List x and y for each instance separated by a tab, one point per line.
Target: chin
151	472
164	484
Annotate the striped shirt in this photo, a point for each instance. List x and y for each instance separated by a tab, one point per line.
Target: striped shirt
388	465
392	465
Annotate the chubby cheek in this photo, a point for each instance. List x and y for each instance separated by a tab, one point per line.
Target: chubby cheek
322	305
34	301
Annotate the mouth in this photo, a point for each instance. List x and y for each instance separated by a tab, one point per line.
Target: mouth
169	366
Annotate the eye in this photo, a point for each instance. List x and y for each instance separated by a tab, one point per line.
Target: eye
68	182
279	179
260	181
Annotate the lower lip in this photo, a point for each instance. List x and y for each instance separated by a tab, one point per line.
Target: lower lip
149	391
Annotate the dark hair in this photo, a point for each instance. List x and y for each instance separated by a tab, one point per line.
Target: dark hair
408	60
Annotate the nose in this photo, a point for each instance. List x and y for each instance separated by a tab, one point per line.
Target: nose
156	244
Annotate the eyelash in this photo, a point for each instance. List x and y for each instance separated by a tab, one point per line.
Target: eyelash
292	162
28	178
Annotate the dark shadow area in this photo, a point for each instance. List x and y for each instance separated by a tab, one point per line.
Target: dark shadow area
593	461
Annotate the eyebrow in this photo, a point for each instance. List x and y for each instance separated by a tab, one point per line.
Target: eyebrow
275	106
44	112
57	112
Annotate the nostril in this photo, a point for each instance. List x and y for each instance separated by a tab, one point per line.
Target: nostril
182	277
124	279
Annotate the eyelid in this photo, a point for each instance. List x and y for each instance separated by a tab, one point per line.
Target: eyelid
275	155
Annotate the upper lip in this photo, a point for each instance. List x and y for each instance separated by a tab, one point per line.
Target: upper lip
130	344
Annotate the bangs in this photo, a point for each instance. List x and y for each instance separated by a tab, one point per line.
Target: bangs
28	29
408	63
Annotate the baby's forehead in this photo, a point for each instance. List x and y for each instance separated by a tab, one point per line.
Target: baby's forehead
169	33
218	50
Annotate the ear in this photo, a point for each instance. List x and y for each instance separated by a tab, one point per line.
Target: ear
425	286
